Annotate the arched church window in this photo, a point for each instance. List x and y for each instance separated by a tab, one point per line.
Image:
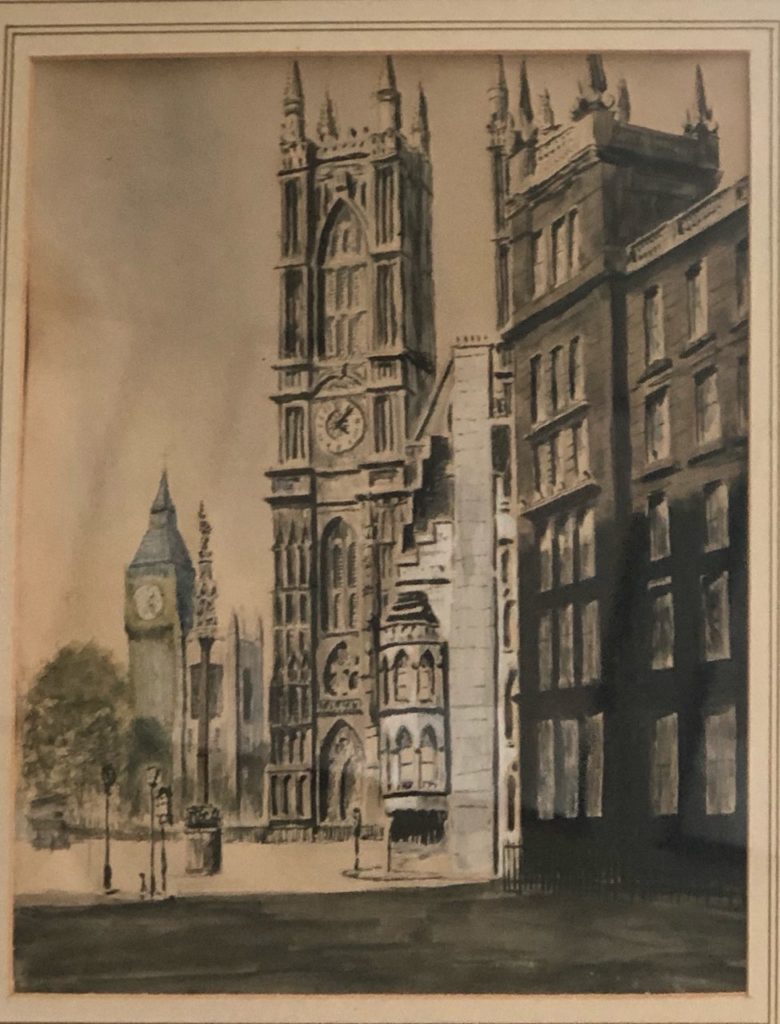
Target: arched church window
340	576
402	677
425	677
274	794
300	796
429	755
336	675
344	286
385	681
286	788
510	707
406	771
511	803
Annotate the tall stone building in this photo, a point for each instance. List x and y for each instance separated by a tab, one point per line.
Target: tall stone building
166	675
355	368
621	286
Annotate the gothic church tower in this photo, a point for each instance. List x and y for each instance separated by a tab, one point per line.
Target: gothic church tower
356	365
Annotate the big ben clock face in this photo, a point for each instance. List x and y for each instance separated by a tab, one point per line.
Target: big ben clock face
148	601
339	425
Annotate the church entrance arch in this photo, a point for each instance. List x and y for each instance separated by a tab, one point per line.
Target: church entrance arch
341	774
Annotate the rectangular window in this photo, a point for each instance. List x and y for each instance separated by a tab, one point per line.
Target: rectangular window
720	738
539	263
654	326
697	300
536	383
742	395
558	460
658	516
665	767
546	558
290	218
545	650
565	544
557	386
715	600
716	515
568	788
503	284
559	251
383	424
591	642
293	314
566	645
708	421
657	431
581	447
573	240
545	782
662	638
743	276
385	204
594	765
387	322
293	433
576	389
587	543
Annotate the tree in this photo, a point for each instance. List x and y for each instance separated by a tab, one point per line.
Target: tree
76	719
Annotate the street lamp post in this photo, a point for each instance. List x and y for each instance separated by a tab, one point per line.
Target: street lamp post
152	778
165	817
206	630
358	818
108	775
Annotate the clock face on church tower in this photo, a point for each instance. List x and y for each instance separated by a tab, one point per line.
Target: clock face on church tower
148	601
339	425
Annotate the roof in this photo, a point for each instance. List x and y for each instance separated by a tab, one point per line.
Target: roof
162	543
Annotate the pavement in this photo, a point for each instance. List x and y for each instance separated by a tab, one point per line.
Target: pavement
75	875
465	939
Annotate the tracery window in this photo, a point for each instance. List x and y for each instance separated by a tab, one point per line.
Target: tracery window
339	575
344	287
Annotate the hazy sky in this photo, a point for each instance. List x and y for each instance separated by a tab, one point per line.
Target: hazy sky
154	216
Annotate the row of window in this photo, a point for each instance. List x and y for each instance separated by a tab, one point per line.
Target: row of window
716	521
696	304
291	704
289	796
562	461
404	682
291	561
716	641
288	748
561	751
294	447
708	423
557	635
410	768
384	194
567	549
291	609
555	261
556	382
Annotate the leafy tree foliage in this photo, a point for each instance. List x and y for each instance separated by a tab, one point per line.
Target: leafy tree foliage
76	719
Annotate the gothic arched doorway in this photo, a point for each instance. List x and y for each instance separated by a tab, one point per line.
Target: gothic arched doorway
341	774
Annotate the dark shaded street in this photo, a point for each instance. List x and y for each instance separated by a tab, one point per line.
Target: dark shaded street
445	940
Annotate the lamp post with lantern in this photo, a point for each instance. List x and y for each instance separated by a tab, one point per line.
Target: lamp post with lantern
108	776
165	817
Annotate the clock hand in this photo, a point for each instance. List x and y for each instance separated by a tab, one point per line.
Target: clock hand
341	422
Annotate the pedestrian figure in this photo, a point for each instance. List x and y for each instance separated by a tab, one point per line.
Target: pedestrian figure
356	833
142	876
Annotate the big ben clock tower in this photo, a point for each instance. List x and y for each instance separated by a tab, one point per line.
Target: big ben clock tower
158	616
355	368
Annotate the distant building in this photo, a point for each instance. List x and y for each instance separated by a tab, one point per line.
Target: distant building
622	292
164	662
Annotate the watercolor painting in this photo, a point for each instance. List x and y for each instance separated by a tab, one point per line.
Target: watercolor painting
382	619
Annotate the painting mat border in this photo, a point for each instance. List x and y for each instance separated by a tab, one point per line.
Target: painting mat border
101	28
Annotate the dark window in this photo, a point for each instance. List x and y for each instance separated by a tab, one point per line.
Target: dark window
246	678
290	242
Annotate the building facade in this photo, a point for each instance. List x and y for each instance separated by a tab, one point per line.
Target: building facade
621	288
166	674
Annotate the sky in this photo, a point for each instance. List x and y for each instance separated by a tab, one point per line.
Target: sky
153	221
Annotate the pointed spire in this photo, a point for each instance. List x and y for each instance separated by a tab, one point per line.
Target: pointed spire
293	128
388	98
593	95
623	113
546	114
499	96
526	122
162	501
420	133
206	588
701	115
327	127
